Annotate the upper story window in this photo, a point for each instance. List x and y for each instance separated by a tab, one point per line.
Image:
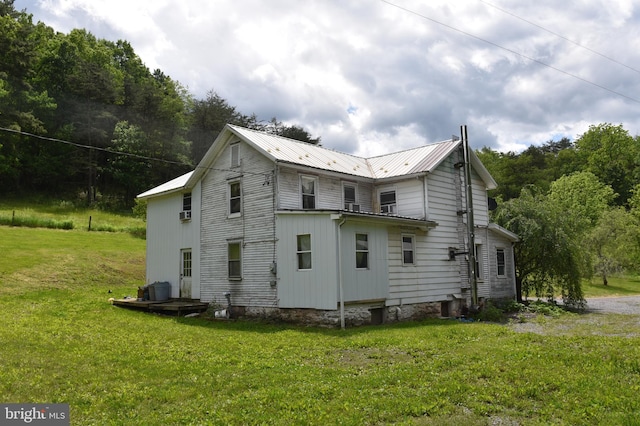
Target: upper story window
362	251
186	202
185	214
408	250
304	251
388	202
500	259
235	198
308	189
235	155
349	197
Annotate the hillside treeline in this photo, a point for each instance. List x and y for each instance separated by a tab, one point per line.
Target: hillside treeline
575	207
69	103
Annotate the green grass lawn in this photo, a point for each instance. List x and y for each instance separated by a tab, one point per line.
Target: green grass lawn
617	286
62	342
65	212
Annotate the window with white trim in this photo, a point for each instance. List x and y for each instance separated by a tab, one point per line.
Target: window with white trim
408	250
388	202
500	260
303	251
362	251
308	189
234	258
235	198
349	195
186	202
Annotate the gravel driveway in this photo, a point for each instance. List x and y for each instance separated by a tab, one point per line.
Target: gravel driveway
616	305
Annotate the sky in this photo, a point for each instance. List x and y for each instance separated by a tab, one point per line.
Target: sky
376	76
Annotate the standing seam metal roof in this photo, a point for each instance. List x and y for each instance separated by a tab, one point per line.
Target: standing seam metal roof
417	160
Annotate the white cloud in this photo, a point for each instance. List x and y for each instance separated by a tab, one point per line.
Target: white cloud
369	77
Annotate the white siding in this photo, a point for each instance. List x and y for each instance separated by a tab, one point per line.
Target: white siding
433	277
364	284
501	287
167	235
315	288
328	195
255	227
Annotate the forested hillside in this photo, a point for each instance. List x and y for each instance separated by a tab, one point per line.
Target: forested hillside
70	103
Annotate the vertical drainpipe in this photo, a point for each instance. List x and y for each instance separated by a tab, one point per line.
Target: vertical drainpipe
340	290
470	220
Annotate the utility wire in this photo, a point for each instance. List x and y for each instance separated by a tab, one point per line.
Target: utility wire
127	154
584	80
559	35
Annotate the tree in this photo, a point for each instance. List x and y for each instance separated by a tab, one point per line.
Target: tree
548	256
129	170
278	128
610	153
615	243
582	197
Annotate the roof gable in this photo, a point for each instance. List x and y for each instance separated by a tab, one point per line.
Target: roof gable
278	149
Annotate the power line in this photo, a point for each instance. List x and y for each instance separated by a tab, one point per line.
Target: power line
127	154
559	35
584	80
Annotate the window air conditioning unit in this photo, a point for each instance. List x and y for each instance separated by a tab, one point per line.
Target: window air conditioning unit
388	209
352	207
185	215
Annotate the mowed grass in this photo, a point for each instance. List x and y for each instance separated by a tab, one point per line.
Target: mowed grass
627	285
62	342
60	214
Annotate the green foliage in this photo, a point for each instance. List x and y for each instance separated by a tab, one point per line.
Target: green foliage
615	243
610	153
549	259
582	196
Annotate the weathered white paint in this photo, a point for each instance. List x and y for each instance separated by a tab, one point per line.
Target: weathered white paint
271	219
254	227
167	235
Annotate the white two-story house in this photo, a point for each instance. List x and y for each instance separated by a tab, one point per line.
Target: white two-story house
302	233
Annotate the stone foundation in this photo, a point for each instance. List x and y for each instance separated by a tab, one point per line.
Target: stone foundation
354	315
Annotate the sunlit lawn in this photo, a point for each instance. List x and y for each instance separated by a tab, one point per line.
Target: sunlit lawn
62	342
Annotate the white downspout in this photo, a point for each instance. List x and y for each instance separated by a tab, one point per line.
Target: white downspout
339	251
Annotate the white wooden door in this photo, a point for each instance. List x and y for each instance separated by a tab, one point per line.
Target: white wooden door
185	273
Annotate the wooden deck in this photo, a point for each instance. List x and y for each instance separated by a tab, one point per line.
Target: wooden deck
168	307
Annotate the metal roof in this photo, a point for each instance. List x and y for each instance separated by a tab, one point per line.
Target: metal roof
417	160
167	187
424	159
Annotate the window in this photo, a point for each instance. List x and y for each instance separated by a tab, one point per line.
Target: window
186	263
388	202
304	251
349	195
501	262
362	251
235	155
408	249
308	189
235	197
186	202
234	256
